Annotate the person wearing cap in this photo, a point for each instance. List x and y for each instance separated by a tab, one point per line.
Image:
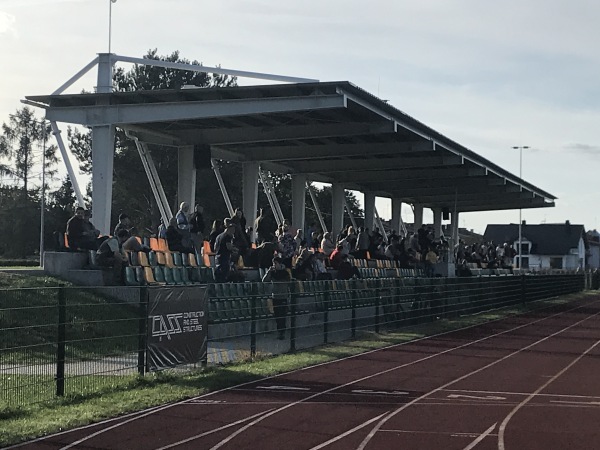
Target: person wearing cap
224	249
279	277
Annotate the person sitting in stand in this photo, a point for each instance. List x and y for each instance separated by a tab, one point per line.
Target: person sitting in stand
110	254
303	270
174	238
327	245
346	270
162	230
123	224
336	257
80	234
279	276
319	268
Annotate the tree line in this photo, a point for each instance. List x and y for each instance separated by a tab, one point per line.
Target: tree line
26	147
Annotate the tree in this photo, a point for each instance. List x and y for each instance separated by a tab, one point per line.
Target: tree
21	137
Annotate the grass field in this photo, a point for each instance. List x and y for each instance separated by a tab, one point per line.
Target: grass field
115	396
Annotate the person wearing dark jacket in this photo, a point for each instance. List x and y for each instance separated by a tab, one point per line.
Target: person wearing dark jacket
279	277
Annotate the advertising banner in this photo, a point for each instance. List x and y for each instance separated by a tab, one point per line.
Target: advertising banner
177	327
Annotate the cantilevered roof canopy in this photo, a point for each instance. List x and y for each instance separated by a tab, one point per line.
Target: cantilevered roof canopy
334	132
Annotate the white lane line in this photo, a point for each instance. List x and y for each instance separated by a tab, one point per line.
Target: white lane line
502	430
369	391
349	432
282	388
523	394
206	433
487	366
475	397
574	403
485	434
382	421
149	411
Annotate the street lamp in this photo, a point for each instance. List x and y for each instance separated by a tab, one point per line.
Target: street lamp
110	22
520	148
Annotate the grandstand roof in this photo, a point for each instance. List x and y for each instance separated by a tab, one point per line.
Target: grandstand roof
334	132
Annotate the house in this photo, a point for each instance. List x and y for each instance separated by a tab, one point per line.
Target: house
545	246
593	260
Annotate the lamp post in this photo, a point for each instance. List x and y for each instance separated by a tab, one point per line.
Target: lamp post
520	148
110	2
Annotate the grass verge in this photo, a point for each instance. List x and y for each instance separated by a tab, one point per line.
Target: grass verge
137	393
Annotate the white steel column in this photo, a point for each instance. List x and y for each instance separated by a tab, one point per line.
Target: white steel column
186	176
397	215
437	222
298	201
250	194
454	223
103	149
369	210
338	196
418	221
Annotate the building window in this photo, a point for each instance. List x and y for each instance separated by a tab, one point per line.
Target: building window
556	263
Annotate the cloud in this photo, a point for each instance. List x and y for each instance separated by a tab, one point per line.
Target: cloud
584	148
7	23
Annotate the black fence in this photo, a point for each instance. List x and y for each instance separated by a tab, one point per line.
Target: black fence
78	341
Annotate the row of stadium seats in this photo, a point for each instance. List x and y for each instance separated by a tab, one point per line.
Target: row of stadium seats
375	263
230	302
387	273
160	267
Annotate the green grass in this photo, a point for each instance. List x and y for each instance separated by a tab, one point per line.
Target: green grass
120	395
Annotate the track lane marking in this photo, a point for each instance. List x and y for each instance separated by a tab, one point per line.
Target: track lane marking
481	437
502	429
144	413
349	432
206	433
441	388
382	421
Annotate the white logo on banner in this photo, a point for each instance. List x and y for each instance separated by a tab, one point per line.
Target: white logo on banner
168	324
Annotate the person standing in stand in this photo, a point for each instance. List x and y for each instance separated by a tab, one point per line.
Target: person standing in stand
224	249
280	278
197	227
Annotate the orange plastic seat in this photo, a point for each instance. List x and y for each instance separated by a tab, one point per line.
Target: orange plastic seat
154	244
163	246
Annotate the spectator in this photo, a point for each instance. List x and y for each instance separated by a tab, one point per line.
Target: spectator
319	268
162	230
336	257
303	270
346	270
362	243
266	252
240	239
280	278
175	239
327	244
225	252
310	231
431	259
110	254
183	225
78	232
197	227
287	245
217	229
123	224
264	226
299	238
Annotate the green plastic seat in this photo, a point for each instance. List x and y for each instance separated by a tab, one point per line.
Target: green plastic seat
130	279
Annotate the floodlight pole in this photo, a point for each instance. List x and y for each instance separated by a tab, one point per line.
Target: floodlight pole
110	2
520	148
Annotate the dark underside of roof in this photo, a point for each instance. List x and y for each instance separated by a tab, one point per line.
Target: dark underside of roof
332	132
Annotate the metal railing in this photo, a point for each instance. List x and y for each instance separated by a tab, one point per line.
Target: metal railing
79	341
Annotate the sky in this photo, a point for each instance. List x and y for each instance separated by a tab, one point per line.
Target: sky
488	75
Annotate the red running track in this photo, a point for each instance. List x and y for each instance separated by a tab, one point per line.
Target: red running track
524	382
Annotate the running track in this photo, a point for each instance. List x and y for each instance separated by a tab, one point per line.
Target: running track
525	382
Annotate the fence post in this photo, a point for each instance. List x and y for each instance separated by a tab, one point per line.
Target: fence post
253	297
523	289
293	303
377	301
61	339
325	295
353	304
143	331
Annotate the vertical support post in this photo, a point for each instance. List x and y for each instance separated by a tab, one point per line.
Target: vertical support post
293	311
298	201
397	215
437	222
103	149
186	176
142	330
523	289
61	341
369	209
455	217
418	212
250	193
338	200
